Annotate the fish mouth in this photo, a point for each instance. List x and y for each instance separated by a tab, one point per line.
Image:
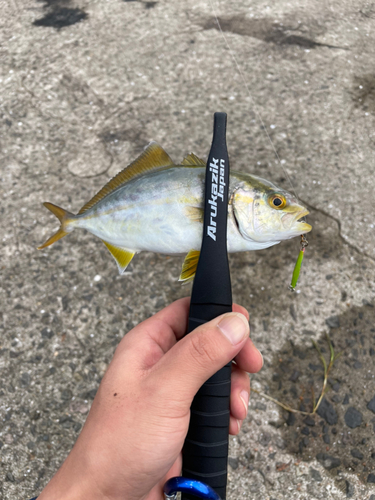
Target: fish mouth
300	215
302	226
293	223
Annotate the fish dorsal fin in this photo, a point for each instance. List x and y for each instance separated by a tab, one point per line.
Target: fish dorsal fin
122	256
192	159
153	158
189	266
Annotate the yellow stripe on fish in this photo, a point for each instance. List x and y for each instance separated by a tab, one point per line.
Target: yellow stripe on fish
155	205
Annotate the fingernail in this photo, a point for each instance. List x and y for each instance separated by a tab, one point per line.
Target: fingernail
239	423
261	355
244	395
235	327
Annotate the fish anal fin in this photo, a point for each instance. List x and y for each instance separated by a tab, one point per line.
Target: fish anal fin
192	159
153	158
121	255
189	266
194	213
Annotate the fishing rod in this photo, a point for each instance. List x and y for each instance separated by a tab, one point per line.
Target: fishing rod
205	451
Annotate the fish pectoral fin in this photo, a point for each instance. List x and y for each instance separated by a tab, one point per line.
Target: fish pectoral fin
192	159
121	255
194	213
189	266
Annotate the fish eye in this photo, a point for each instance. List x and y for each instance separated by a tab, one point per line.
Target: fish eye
277	201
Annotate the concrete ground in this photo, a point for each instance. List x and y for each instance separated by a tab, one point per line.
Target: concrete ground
85	85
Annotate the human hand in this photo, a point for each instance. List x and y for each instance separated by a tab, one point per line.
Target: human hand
132	439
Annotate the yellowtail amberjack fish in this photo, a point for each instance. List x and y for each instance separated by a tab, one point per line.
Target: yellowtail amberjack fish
154	205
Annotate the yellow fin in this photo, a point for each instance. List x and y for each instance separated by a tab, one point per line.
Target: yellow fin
63	216
153	158
189	266
121	255
192	159
194	213
57	236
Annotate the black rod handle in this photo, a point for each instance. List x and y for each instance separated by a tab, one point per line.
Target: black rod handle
205	452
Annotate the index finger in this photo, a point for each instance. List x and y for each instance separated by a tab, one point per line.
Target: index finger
157	334
175	316
161	331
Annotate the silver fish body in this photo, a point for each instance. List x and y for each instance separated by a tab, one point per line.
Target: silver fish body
160	209
152	214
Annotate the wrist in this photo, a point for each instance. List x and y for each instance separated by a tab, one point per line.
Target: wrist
71	482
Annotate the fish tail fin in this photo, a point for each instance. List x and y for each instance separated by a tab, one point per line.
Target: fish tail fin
63	216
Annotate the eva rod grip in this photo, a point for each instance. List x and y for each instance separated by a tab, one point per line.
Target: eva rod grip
205	452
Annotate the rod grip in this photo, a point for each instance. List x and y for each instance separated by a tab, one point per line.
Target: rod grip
205	452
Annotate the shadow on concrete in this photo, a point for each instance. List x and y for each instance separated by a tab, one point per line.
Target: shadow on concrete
267	30
59	14
363	92
341	435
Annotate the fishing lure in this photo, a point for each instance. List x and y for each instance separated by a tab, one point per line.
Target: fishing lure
297	267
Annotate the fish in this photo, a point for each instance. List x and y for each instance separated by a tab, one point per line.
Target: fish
155	205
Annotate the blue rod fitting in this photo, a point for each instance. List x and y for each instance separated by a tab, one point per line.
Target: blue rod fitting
191	486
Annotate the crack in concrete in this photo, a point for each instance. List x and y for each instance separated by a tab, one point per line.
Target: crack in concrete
338	222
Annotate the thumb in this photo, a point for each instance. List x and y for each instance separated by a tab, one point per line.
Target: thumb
205	350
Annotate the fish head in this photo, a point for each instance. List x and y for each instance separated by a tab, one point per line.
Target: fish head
265	213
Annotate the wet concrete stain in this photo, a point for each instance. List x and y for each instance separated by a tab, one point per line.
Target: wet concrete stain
54	3
363	92
148	5
131	138
60	15
340	435
265	29
368	10
116	137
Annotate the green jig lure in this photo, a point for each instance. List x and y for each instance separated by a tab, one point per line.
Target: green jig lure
297	267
